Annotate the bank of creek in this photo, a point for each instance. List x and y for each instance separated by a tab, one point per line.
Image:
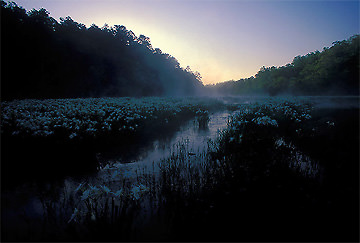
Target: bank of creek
232	169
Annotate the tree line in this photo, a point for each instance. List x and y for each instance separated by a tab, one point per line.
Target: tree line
333	71
43	58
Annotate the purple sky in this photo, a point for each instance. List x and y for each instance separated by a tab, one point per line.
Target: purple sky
222	39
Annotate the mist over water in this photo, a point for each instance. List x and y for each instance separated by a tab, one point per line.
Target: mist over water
118	164
345	102
77	163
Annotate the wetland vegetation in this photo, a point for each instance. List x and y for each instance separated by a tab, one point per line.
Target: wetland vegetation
281	166
106	138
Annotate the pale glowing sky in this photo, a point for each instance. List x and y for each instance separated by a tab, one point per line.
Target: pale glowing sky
222	39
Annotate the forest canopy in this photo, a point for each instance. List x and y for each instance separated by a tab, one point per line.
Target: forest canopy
43	58
333	71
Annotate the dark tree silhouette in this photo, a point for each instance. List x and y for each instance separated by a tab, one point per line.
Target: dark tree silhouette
43	58
334	71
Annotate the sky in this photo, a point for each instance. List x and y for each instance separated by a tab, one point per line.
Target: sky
222	39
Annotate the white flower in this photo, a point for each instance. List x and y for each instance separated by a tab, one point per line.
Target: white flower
265	120
330	123
72	135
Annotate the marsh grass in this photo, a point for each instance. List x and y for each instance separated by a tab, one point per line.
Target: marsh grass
265	178
64	136
258	175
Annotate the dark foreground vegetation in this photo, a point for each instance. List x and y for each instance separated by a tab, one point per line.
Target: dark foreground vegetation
43	58
283	170
333	71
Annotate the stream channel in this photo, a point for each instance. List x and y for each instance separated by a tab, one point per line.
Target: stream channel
23	209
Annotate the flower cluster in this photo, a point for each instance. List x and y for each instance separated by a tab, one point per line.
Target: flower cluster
94	199
271	112
265	121
78	118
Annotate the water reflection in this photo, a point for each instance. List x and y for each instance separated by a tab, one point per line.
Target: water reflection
194	138
24	209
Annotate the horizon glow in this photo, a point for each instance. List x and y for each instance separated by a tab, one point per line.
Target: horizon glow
222	39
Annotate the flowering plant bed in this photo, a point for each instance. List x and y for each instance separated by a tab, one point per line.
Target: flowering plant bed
65	134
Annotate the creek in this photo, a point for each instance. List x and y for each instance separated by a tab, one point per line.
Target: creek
24	209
